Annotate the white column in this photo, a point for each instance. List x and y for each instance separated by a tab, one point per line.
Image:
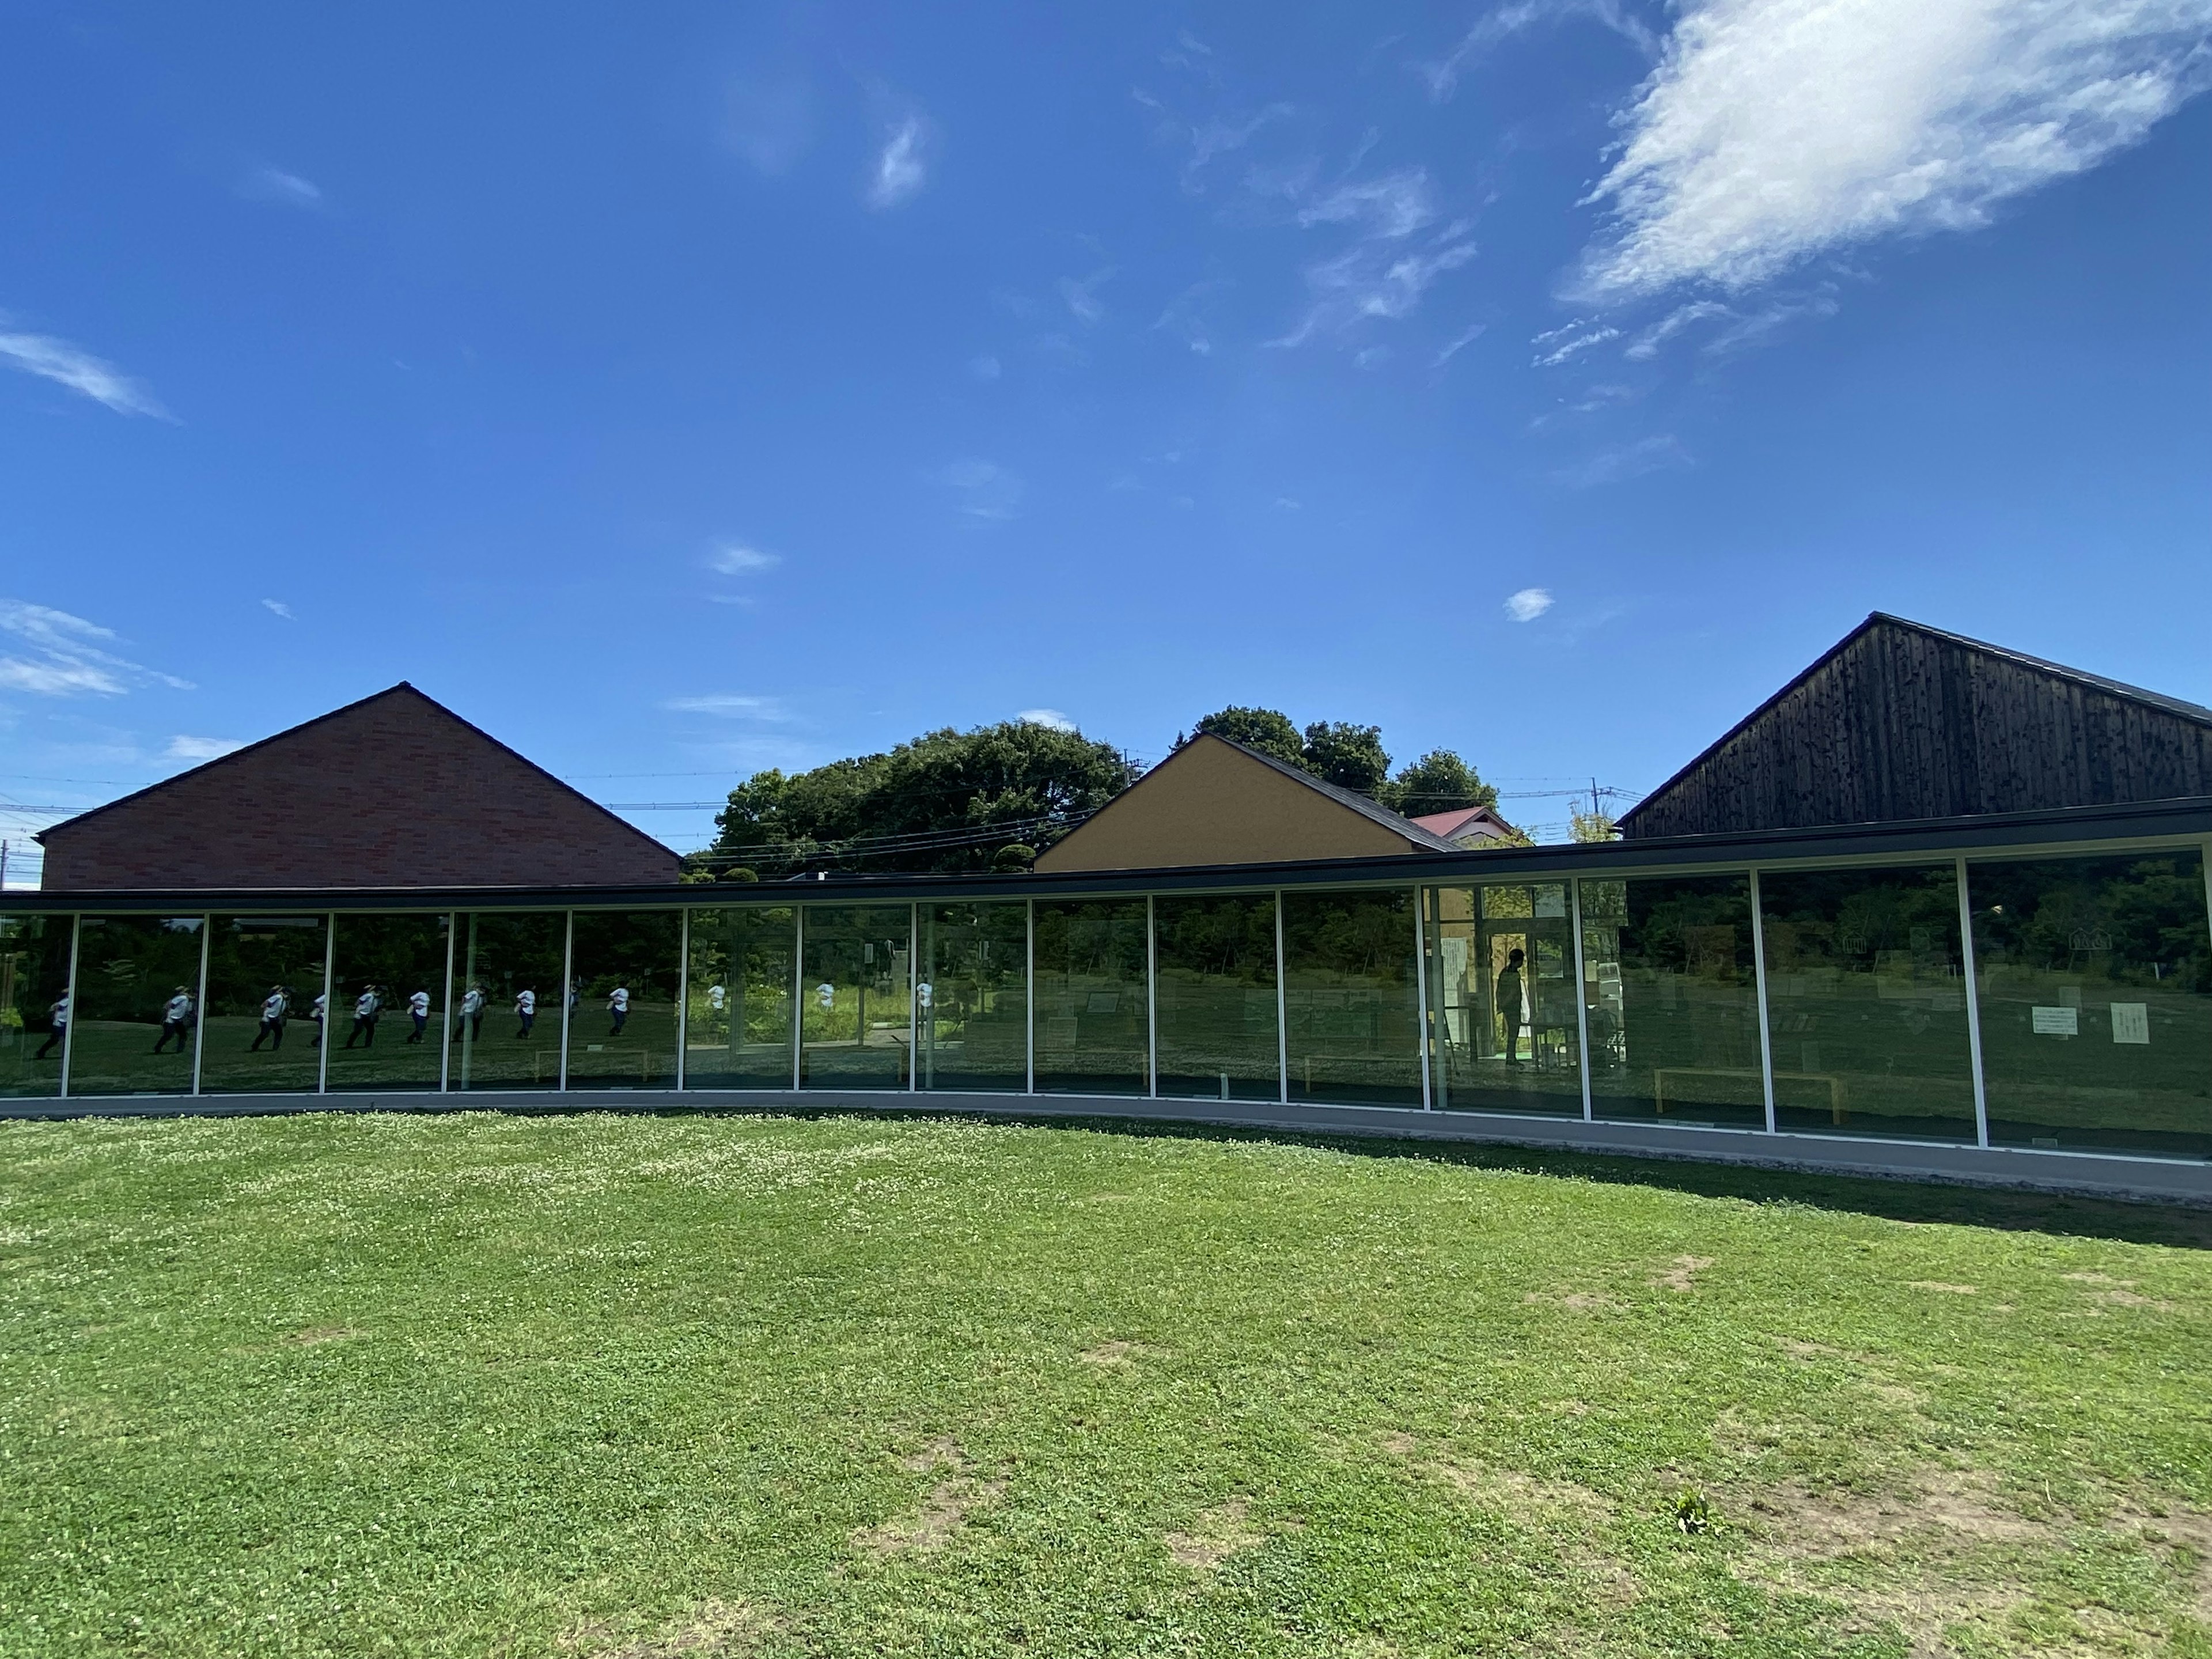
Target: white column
330	968
1759	972
448	1015
1973	1005
199	1006
69	1031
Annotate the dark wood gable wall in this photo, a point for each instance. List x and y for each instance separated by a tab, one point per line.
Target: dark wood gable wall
1901	723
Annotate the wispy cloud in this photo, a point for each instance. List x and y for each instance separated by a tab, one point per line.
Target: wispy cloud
1776	129
984	489
902	167
280	608
1442	75
79	370
1528	604
283	189
729	705
737	559
1460	343
1081	298
67	656
202	749
985	368
1555	346
769	123
1185	317
1652	454
1207	140
1051	718
1388	265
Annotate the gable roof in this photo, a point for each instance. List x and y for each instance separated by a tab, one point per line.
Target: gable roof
1366	805
1463	820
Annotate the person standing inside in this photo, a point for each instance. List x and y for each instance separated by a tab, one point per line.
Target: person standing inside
58	1016
176	1020
525	1010
365	1009
272	1020
418	1010
618	1006
1511	1008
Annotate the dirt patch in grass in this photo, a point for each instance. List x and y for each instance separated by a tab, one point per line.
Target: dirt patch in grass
943	1511
712	1627
1573	1300
1216	1536
322	1333
1508	1491
1116	1352
1682	1276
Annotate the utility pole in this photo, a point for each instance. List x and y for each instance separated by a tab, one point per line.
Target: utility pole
3	867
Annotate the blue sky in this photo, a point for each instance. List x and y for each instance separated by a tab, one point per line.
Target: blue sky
679	390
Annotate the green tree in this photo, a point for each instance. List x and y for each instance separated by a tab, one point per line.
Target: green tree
1351	756
946	801
1440	781
1267	730
1593	826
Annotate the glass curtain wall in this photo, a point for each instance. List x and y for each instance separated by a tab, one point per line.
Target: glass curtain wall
2094	981
34	967
1670	990
1351	993
263	975
1866	1003
136	1013
626	969
507	973
1501	993
1092	1021
973	996
738	1028
401	960
1215	961
856	1017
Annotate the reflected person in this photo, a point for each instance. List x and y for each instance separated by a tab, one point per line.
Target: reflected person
366	1007
469	1017
618	1006
418	1010
176	1019
525	1010
1510	1005
58	1016
272	1020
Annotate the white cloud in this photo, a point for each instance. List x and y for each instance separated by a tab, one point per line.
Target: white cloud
729	705
282	188
1629	461
202	749
902	168
736	559
983	369
1528	604
1460	343
1082	298
1051	718
1383	273
1396	204
1775	130
280	608
986	491
80	371
1521	17
1556	345
67	656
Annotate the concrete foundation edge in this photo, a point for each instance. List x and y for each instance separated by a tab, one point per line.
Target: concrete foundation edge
2154	1180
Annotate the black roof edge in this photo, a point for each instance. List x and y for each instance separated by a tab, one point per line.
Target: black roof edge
2183	817
1879	619
332	714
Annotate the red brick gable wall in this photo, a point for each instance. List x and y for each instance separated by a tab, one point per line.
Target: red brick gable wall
392	791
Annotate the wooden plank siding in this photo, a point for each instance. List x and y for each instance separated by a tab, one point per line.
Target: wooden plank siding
1901	722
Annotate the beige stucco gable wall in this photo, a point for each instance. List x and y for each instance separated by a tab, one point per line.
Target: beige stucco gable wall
1210	803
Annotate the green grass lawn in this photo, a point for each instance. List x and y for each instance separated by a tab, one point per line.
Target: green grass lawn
593	1384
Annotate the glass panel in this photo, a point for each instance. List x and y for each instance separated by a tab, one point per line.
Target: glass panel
507	1004
1090	1017
1216	961
739	1026
263	973
621	1031
400	961
857	1020
1671	987
1350	989
1501	976
2096	996
974	996
1866	1008
138	1006
34	959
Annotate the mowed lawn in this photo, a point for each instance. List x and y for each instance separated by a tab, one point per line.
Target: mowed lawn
596	1384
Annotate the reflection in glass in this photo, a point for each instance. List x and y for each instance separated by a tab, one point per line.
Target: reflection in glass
1352	998
35	961
2094	979
400	962
1501	978
1091	1013
263	974
1671	988
507	1001
136	1008
738	1026
856	1019
1215	961
621	1031
973	996
1866	1007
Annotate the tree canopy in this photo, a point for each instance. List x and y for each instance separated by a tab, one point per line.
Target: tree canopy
1352	757
946	801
